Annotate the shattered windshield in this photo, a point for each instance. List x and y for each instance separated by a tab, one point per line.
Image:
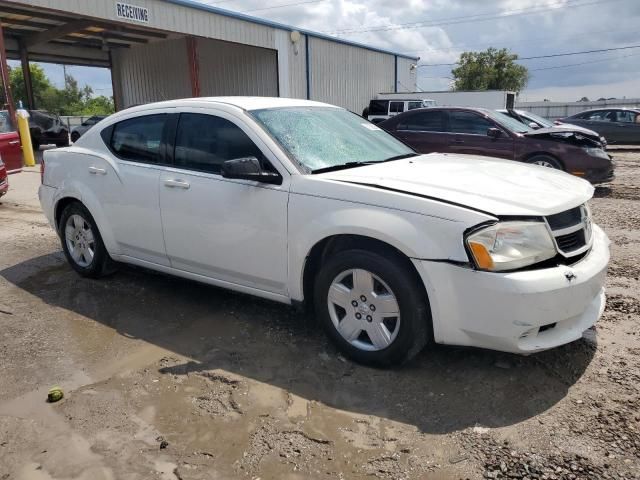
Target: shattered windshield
321	138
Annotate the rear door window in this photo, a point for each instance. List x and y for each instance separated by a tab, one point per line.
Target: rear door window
414	105
625	116
469	123
427	121
139	139
396	107
205	142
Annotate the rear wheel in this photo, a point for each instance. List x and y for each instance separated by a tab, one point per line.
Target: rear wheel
545	161
75	136
372	307
82	243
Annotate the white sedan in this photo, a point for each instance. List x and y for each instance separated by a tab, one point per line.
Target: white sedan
299	201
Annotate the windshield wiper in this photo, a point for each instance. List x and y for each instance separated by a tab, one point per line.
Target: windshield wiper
342	166
399	157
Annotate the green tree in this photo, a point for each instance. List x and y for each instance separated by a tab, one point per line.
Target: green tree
70	100
43	90
492	69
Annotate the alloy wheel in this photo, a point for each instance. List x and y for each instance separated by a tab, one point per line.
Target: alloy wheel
364	310
80	240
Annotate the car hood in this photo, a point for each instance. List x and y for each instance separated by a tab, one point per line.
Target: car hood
570	133
497	187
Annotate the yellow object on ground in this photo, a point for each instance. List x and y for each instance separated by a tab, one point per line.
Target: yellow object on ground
25	138
55	394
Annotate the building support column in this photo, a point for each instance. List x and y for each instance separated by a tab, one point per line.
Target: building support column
307	60
26	74
4	71
115	94
194	67
395	74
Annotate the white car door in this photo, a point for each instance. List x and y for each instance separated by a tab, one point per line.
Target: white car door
234	231
127	187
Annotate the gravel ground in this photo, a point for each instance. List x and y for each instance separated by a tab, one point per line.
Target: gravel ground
170	379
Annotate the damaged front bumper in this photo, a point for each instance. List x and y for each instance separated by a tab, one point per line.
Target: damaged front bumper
519	312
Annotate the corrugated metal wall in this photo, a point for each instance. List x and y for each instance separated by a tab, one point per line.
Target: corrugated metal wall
153	72
233	69
348	76
174	18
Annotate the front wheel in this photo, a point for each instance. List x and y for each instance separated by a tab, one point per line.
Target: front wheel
545	161
373	307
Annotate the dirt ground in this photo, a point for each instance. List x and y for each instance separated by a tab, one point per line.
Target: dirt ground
169	379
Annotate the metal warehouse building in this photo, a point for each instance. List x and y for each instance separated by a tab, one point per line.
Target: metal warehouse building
164	49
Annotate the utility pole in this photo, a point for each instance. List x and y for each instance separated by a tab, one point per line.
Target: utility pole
64	73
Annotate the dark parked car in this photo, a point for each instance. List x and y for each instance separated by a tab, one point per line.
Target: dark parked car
617	125
479	131
77	132
47	128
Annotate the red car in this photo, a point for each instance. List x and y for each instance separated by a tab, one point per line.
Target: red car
10	148
478	131
4	179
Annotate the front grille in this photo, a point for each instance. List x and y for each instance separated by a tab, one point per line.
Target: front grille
565	219
571	241
571	230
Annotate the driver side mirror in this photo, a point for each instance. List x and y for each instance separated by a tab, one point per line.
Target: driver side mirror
494	132
534	125
249	168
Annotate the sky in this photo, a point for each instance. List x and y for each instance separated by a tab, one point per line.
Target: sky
439	30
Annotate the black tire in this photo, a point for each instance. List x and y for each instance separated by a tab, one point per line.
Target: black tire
75	136
63	143
35	144
414	325
545	161
101	264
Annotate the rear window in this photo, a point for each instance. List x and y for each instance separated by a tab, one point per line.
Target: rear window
378	107
6	125
138	139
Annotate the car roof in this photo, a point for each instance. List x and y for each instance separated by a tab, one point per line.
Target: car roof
245	103
626	109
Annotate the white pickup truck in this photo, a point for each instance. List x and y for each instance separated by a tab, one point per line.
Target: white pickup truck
299	201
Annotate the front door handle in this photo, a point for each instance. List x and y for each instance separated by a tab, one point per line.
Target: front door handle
175	183
97	171
457	141
14	142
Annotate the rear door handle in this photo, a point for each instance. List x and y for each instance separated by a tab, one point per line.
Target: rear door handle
175	183
97	171
457	141
14	142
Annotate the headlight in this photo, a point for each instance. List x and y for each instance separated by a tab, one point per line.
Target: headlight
511	245
597	152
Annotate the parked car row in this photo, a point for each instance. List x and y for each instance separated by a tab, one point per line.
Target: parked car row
485	132
303	202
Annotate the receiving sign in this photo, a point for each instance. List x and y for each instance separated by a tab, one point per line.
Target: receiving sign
132	12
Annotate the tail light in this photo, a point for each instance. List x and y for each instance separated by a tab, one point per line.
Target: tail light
42	171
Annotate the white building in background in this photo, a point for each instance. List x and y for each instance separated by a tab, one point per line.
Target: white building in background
165	49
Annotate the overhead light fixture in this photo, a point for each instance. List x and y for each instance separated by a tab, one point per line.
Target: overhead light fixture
295	39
